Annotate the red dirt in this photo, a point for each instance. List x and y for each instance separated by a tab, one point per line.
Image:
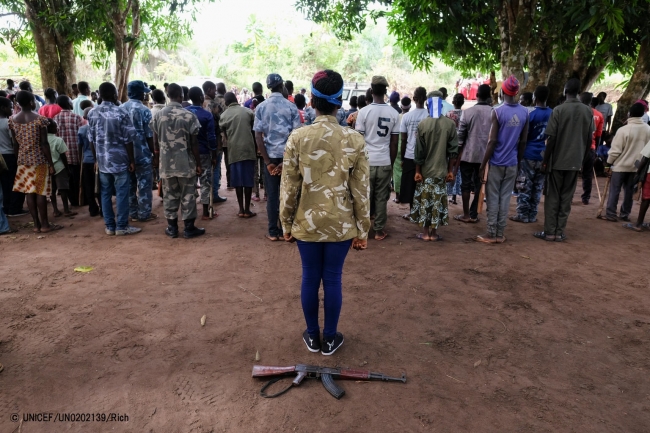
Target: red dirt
562	331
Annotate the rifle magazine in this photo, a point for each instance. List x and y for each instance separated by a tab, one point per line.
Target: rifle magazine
331	386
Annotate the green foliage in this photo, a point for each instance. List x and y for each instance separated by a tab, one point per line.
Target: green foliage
299	55
88	23
465	34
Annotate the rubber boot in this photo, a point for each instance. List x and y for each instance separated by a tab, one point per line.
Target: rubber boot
192	231
172	228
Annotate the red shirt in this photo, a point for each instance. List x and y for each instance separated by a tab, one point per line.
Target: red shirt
49	110
599	121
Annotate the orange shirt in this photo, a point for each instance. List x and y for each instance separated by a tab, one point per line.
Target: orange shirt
599	122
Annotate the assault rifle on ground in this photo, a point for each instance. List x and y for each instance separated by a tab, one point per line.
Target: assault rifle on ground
326	375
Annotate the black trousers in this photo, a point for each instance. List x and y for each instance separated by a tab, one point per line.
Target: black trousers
75	181
88	181
470	181
12	201
407	185
588	175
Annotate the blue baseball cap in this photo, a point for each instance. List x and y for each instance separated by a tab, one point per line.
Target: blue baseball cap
273	80
137	87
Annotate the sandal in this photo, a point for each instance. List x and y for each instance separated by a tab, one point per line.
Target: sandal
249	214
272	238
560	238
421	237
503	239
626	226
485	239
51	228
544	237
466	221
381	235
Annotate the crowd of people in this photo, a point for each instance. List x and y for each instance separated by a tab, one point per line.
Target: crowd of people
84	151
327	173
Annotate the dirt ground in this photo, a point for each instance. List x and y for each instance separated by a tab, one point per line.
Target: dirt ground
527	336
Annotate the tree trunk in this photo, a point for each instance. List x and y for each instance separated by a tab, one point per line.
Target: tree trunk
515	23
125	45
55	53
637	87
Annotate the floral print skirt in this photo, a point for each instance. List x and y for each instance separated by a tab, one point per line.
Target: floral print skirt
430	206
33	179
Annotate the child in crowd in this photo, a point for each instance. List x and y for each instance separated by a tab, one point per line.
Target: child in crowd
61	181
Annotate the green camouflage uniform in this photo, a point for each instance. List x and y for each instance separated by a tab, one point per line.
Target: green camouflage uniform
325	183
173	125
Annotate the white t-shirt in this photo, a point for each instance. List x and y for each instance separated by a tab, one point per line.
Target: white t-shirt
377	122
409	124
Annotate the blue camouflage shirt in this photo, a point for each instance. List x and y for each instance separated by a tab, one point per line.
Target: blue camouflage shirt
140	117
276	117
110	129
207	138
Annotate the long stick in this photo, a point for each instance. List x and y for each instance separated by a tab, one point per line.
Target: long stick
481	195
597	187
602	200
82	196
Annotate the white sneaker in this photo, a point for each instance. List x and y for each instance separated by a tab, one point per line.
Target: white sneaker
110	232
128	231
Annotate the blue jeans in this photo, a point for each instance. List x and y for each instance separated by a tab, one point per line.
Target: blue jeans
4	222
322	261
216	175
115	184
272	185
530	193
140	193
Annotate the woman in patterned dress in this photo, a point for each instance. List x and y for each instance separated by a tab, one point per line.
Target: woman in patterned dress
35	167
436	151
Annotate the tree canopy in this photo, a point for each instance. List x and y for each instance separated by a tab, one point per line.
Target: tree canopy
551	40
56	30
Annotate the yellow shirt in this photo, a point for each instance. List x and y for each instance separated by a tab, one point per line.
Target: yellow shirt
324	193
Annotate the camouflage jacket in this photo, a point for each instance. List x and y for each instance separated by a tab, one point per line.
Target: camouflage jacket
173	125
110	130
324	193
141	118
216	106
276	117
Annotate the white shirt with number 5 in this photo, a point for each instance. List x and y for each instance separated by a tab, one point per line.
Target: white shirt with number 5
377	122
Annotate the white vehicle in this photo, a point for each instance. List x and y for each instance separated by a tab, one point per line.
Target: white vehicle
353	89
